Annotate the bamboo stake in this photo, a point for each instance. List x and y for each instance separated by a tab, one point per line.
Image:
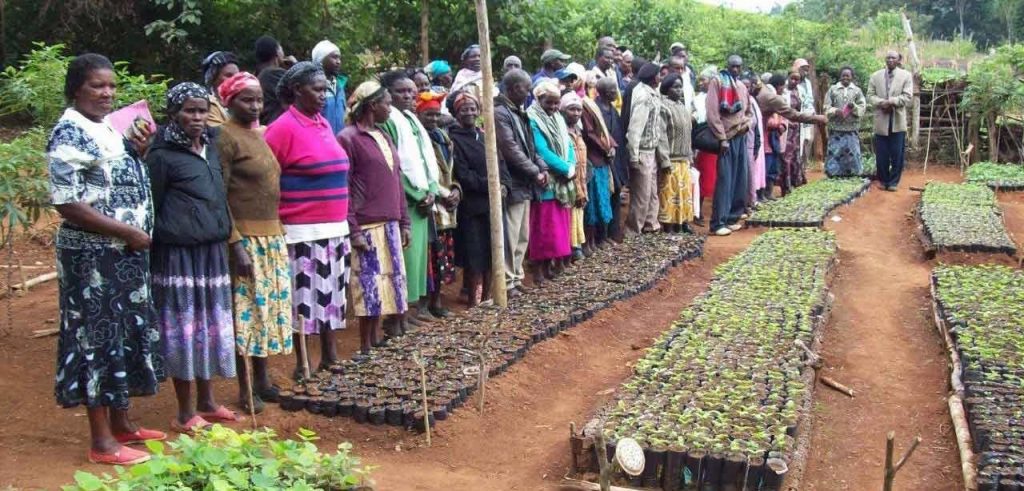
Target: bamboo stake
890	468
416	358
491	149
831	382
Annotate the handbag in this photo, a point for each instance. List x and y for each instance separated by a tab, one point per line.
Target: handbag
704	139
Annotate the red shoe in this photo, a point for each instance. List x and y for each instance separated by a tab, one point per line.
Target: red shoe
124	456
190	426
140	435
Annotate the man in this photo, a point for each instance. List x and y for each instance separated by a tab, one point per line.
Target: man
889	93
328	56
604	65
772	102
643	136
806	91
551	62
512	62
729	116
679	49
523	172
270	57
603	42
677	64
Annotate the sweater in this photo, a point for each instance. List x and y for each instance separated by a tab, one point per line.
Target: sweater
314	169
727	124
377	194
252	178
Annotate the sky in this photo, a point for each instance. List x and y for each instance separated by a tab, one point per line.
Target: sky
749	5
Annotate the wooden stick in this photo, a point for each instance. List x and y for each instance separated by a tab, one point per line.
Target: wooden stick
491	151
890	468
423	388
247	361
831	382
302	346
25	285
42	333
812	358
605	477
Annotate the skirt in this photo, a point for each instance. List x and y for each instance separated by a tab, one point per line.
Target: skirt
577	236
473	242
707	165
192	296
549	230
675	205
319	278
599	192
108	349
843	154
416	255
263	304
378	275
442	260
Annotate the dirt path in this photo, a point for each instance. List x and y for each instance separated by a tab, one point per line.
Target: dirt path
882	343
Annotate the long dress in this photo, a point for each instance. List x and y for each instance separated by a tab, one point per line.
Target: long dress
577	235
755	156
108	348
791	173
844	105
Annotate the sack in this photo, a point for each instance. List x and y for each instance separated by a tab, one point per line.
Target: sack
704	139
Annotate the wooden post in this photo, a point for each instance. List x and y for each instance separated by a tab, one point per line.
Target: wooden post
424	29
915	69
491	149
423	391
890	468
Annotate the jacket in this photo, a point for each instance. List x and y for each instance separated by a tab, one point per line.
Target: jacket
836	99
900	91
643	133
517	152
189	196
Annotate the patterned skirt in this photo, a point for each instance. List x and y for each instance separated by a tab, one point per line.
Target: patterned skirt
843	154
108	348
378	274
192	296
319	277
675	203
263	304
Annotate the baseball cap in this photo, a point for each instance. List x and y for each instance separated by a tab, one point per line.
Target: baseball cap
552	55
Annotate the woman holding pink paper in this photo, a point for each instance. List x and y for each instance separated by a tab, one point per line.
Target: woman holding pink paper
844	106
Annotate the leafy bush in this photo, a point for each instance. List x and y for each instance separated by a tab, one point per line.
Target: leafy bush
36	88
24	185
996	176
808	205
222	459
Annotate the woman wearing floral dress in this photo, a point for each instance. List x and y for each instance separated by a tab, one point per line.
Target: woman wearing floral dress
261	276
107	350
191	282
844	105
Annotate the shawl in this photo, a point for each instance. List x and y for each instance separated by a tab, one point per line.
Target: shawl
729	102
466	77
415	152
605	136
553	127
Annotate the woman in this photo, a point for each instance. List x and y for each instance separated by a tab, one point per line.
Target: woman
261	277
378	219
441	268
473	239
675	203
791	172
599	130
550	219
191	282
755	144
571	108
844	106
440	73
707	162
107	350
422	81
218	67
314	209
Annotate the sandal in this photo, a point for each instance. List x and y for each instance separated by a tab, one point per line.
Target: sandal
140	435
190	426
123	456
221	415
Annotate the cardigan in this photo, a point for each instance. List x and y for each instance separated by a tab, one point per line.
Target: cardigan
252	178
376	184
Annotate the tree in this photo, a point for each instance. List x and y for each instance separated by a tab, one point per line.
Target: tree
1008	10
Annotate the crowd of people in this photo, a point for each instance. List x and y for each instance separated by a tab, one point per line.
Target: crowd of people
273	204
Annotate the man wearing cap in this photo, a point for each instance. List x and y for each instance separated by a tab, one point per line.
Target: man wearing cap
889	93
551	62
328	56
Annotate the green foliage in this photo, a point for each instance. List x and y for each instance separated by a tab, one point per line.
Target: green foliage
173	31
24	184
935	75
996	175
222	459
36	88
808	205
963	217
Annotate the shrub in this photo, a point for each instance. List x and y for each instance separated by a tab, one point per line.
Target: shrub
221	459
24	191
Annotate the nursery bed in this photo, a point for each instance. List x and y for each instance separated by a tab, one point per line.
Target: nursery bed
808	205
721	399
386	387
962	218
1000	177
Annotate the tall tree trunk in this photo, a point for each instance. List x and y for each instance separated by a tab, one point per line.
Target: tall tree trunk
424	32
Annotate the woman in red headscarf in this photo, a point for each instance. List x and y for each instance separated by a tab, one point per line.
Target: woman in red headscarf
260	276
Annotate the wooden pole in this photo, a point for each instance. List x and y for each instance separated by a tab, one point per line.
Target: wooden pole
423	388
491	148
915	69
890	468
424	29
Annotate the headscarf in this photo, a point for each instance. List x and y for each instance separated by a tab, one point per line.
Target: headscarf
213	63
367	91
176	98
469	48
322	50
800	62
237	83
570	99
301	72
545	86
437	68
428	100
462	98
668	81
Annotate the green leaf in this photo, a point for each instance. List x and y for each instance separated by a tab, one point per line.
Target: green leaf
87	481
